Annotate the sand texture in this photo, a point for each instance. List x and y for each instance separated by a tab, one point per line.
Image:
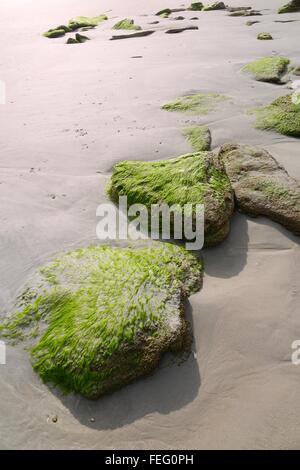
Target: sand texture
71	113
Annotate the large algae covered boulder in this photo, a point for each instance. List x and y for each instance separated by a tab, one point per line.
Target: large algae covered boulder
268	69
290	7
282	115
85	22
262	187
264	37
101	317
199	137
196	178
57	32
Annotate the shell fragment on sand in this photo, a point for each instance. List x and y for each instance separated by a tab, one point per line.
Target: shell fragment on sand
199	137
282	116
86	21
214	6
199	103
74	24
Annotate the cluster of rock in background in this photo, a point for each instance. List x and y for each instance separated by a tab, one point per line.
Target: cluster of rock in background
98	318
84	23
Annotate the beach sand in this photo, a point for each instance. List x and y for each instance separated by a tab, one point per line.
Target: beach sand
74	111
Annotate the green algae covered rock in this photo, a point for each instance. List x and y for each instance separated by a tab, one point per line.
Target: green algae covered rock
199	137
268	69
73	25
85	21
262	187
54	33
264	36
290	7
57	32
79	39
215	6
127	23
200	103
197	178
282	115
165	13
196	6
100	317
72	41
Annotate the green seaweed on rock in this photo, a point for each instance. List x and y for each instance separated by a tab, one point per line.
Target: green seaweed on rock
99	317
268	69
197	178
200	103
282	115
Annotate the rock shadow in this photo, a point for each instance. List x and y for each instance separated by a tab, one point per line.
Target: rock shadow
230	257
172	386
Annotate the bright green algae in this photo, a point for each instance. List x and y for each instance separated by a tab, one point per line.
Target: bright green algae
282	115
179	180
55	33
268	69
100	317
214	6
199	137
200	103
197	178
86	21
264	37
196	6
128	24
165	13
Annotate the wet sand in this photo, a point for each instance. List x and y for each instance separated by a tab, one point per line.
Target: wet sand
74	111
